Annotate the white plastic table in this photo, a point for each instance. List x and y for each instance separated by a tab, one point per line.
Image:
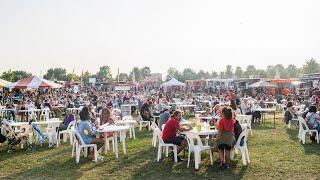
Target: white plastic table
115	129
266	110
129	123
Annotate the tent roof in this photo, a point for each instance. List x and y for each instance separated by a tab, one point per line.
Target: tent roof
33	82
173	82
261	84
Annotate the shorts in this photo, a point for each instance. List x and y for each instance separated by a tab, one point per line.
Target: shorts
224	147
176	141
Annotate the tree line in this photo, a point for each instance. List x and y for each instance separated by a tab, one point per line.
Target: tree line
140	74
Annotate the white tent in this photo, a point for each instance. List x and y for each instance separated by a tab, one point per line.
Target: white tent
261	84
173	82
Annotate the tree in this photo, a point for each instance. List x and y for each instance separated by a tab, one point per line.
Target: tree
59	74
85	78
173	73
8	75
137	74
214	74
229	71
239	72
201	74
145	72
280	70
271	73
72	77
188	74
250	71
123	77
261	73
223	75
311	66
14	76
292	71
104	73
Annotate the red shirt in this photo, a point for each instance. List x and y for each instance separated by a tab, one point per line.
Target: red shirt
226	125
170	129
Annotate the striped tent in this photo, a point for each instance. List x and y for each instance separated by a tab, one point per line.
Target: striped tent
4	83
34	82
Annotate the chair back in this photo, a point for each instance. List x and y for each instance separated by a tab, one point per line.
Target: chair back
303	124
193	140
128	117
244	136
159	134
72	125
153	125
77	137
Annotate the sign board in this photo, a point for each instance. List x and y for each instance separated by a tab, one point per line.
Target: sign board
122	88
92	80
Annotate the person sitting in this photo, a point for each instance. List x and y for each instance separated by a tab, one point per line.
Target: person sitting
225	136
313	120
164	117
106	119
289	114
145	111
87	133
66	121
169	133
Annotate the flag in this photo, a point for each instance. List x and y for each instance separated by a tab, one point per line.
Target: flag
118	76
133	77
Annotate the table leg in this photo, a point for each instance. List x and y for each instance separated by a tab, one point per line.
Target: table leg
123	142
133	132
116	145
274	118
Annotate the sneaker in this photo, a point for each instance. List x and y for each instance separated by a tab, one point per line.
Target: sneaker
178	158
226	166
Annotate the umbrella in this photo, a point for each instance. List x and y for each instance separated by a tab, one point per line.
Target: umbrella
4	83
34	82
261	84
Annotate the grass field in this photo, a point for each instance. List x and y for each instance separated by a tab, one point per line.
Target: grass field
275	153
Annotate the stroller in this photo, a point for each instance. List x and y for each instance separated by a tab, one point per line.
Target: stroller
20	137
40	137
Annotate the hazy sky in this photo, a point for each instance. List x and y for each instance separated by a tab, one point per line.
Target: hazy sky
201	34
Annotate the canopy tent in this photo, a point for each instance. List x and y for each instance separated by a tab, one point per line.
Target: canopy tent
34	82
173	82
4	83
261	84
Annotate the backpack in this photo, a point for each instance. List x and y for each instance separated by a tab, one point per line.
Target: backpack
237	129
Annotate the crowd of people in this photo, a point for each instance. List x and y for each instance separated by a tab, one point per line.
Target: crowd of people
98	109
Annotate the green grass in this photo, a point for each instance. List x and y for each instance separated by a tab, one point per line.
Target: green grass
274	154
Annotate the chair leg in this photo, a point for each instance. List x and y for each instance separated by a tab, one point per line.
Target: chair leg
95	150
211	160
247	154
175	154
140	126
243	154
77	154
159	153
189	154
85	152
167	151
196	159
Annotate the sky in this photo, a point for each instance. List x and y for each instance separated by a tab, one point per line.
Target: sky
208	34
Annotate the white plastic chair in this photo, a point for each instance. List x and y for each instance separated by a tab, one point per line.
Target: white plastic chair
79	146
154	134
45	114
67	132
143	123
242	147
196	148
162	144
245	121
304	130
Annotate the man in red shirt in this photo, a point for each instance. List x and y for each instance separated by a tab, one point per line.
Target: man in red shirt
169	132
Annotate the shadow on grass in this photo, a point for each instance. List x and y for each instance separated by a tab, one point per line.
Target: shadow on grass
17	151
52	170
166	169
